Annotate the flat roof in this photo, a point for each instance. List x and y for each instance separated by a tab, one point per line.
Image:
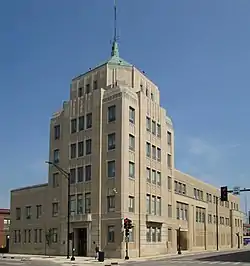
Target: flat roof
29	187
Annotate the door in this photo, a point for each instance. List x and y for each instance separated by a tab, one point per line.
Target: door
82	242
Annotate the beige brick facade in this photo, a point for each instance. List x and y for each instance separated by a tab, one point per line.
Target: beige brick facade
118	144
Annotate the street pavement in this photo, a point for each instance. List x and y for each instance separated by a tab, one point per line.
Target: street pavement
15	262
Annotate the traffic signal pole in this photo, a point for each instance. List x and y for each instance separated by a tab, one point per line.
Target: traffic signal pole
217	223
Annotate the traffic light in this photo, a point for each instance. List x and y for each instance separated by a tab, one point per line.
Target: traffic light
129	224
223	194
125	223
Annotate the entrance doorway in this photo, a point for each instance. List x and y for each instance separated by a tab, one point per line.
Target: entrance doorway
82	242
182	239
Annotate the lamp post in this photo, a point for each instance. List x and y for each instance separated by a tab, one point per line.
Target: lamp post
67	175
179	240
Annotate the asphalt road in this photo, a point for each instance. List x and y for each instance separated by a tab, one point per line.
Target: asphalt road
13	262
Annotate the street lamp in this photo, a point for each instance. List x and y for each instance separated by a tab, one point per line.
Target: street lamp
67	175
179	240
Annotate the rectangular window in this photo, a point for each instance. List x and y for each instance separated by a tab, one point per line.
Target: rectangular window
111	168
25	236
131	142
158	206
35	235
89	121
72	176
148	173
111	234
153	234
158	234
40	235
88	173
153	127
153	206
80	149
158	154
111	113
73	151
111	141
169	161
56	156
95	85
54	209
169	211
158	130
80	174
148	149
148	204
72	204
148	124
131	237
55	180
131	115
87	202
169	183
87	88
158	178
131	169
29	235
18	213
131	204
38	211
54	235
153	176
73	125
81	123
111	203
79	201
80	92
28	212
88	146
169	138
154	152
57	131
148	234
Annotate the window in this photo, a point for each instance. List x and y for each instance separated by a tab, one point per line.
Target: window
111	113
148	204
18	213
200	215
169	211
169	160
79	201
111	203
89	121
131	204
28	212
158	154
111	168
80	93
131	115
88	146
80	149
131	142
153	234
148	124
153	127
54	235
95	85
158	131
38	211
148	149
131	169
158	178
209	218
170	234
81	123
153	176
73	150
29	235
158	234
148	173
72	204
55	180
148	234
73	125
57	131
35	235
54	209
111	234
25	236
169	183
88	172
87	89
153	152
153	205
40	235
158	206
152	96
56	156
131	237
80	174
181	211
111	141
72	176
87	202
169	138
17	236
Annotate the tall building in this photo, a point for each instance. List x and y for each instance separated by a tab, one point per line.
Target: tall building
117	143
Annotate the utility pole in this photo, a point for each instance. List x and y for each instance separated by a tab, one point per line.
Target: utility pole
217	222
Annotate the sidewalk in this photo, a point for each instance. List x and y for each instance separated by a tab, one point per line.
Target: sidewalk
91	261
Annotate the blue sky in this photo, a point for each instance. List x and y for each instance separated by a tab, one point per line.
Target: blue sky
197	52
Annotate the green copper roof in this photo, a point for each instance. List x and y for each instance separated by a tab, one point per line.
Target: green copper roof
115	58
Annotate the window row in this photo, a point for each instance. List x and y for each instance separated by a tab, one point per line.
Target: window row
111	203
27	212
80	203
81	123
81	174
180	188
153	127
111	234
153	234
35	236
200	215
87	88
79	149
153	205
153	176
181	211
154	153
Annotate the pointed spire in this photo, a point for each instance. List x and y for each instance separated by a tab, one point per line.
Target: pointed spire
115	49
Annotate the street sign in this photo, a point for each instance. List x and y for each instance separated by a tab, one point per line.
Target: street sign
236	190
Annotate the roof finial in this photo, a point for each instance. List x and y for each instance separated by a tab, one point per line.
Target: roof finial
115	51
